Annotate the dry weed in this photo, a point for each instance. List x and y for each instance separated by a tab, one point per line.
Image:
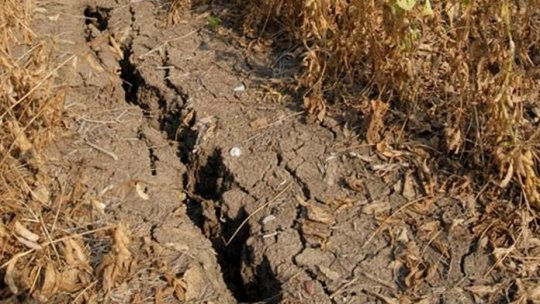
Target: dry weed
468	68
44	253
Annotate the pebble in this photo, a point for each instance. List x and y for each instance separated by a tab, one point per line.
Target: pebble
235	152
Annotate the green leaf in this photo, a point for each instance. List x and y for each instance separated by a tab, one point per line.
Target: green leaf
427	10
406	5
214	22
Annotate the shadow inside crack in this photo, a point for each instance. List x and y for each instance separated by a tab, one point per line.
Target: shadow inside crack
248	283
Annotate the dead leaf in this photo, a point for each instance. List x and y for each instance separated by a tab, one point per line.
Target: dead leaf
41	194
430	227
320	214
355	184
376	123
376	207
115	48
117	263
316	106
482	290
28	243
179	290
70	280
317	230
501	253
98	206
26	237
188	118
50	283
409	189
454	139
54	17
385	150
93	62
11	276
403	236
21	140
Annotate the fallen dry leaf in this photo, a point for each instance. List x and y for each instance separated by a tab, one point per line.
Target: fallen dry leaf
321	214
11	276
376	207
50	284
117	263
25	233
376	122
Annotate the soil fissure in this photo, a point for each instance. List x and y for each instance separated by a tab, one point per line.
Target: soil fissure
207	179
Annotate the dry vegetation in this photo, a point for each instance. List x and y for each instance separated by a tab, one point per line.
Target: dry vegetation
43	241
450	85
465	70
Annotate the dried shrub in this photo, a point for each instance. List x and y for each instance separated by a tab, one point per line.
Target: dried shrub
461	76
468	69
44	253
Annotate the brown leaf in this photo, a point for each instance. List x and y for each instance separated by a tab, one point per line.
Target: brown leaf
25	233
376	123
329	273
319	213
316	106
116	264
376	207
454	139
409	189
11	276
21	140
355	184
70	280
50	283
41	194
482	290
158	298
179	290
387	151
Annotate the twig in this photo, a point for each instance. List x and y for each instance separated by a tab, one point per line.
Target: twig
501	259
389	217
102	150
166	42
281	120
255	212
84	291
340	289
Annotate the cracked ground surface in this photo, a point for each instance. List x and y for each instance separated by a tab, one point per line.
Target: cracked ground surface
304	213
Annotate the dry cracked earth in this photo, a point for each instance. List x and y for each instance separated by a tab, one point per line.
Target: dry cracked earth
249	198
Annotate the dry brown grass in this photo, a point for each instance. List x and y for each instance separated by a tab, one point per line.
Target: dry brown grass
467	70
44	253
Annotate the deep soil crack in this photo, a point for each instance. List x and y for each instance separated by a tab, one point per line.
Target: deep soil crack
98	16
206	180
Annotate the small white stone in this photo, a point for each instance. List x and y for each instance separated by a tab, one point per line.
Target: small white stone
236	152
268	219
240	88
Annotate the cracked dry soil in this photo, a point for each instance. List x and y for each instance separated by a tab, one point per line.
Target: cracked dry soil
296	218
